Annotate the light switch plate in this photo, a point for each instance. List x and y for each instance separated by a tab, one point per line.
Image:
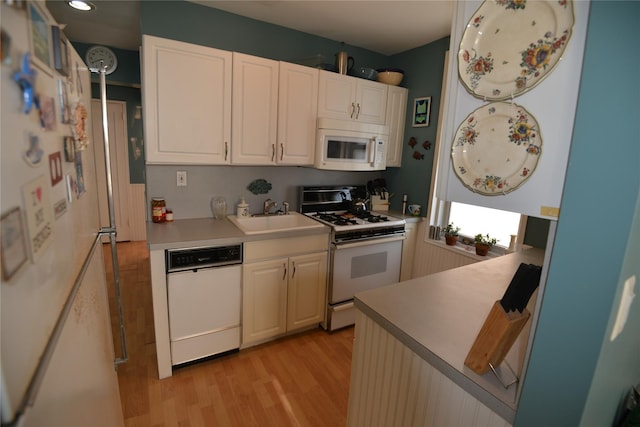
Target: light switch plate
181	178
628	295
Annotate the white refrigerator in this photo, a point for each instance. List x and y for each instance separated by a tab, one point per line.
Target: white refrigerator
57	365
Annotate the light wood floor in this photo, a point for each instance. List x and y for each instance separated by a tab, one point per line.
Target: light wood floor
296	381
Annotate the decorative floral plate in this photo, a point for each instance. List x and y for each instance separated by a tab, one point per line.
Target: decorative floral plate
509	46
496	148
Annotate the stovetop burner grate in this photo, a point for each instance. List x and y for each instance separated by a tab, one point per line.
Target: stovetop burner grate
347	218
334	206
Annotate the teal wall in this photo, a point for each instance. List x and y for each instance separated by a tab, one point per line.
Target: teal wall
128	70
124	85
215	28
423	76
572	357
135	128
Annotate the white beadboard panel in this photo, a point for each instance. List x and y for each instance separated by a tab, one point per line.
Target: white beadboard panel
137	212
432	258
393	386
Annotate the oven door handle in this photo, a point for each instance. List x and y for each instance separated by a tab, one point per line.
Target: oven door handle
342	307
339	246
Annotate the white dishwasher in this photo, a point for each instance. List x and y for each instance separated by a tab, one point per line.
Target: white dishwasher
204	297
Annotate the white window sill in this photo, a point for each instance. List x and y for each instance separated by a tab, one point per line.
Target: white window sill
467	250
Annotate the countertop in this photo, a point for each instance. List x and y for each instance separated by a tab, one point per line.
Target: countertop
439	316
406	217
196	232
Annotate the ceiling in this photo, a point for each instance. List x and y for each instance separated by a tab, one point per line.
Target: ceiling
386	27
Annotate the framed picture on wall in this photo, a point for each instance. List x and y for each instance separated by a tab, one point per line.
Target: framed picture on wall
421	111
39	37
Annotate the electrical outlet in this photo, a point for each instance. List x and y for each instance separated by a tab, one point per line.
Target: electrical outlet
181	178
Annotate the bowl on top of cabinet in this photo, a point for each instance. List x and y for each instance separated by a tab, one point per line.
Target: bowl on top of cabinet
390	76
364	73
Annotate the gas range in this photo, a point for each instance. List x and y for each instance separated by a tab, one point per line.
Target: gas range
349	226
341	208
365	251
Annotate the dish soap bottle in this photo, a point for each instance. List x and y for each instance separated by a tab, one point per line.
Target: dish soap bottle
242	209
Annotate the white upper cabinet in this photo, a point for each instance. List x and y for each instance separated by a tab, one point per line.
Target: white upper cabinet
275	108
297	114
396	118
187	102
351	98
255	110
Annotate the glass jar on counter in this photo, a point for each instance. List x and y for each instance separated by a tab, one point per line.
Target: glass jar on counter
158	209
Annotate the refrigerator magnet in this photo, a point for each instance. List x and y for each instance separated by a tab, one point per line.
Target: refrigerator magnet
47	113
39	216
63	99
34	153
55	167
69	149
13	248
71	187
60	208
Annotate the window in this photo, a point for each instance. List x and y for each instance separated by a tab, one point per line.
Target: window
474	220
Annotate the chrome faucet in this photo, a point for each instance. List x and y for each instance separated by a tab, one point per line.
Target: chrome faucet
286	207
268	205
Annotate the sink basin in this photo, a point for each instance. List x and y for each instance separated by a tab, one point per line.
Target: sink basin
274	223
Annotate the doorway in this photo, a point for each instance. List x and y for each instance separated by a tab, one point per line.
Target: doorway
119	155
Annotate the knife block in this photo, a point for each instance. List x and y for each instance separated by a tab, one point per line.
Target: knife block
497	335
380	204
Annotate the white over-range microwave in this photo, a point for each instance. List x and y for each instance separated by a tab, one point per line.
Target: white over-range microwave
351	146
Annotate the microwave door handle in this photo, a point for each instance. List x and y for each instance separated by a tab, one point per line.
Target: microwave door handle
372	151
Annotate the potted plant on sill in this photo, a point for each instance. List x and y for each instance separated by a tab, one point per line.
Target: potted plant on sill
484	244
451	234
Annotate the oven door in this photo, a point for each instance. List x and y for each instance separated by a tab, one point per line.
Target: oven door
359	266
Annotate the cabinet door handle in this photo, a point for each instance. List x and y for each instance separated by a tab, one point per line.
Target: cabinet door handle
294	270
284	276
281	151
353	109
358	113
226	150
273	152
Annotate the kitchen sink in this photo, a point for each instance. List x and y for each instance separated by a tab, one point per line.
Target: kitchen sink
274	223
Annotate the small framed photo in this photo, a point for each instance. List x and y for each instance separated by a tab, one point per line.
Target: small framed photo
60	50
14	248
63	99
39	36
421	111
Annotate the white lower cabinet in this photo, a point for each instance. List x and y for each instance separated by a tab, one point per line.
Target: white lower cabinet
306	290
408	250
284	286
264	299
